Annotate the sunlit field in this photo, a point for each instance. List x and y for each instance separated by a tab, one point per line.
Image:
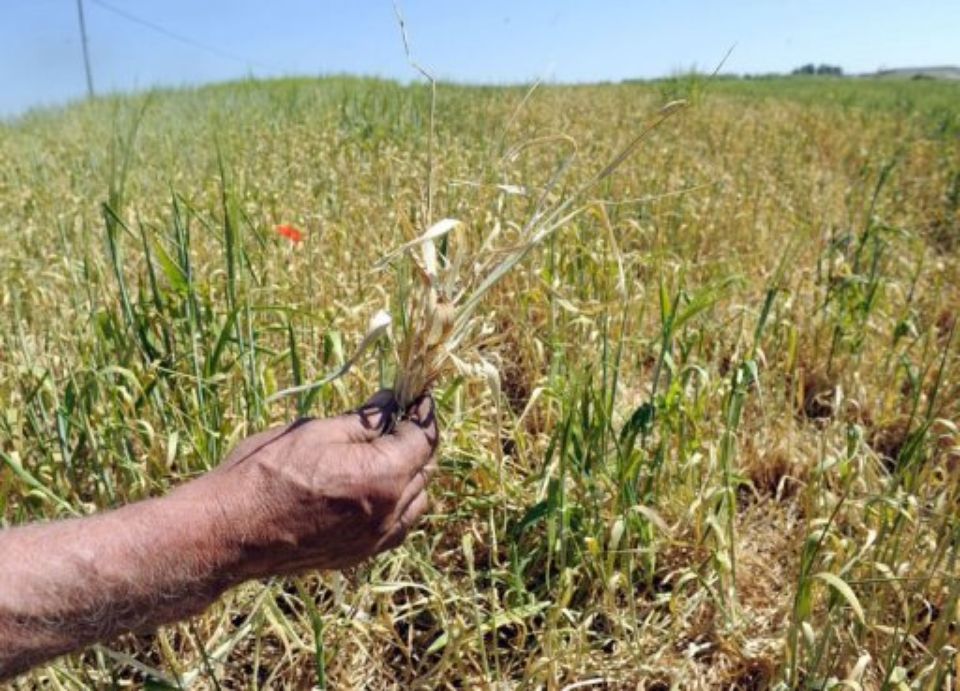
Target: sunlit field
715	442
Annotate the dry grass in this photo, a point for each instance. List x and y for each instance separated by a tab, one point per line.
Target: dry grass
706	400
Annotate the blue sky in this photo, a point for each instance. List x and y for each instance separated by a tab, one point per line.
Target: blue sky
478	41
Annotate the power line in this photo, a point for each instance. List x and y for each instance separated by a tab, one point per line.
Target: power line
86	51
180	37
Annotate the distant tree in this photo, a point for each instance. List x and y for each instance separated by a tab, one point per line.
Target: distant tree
822	69
831	70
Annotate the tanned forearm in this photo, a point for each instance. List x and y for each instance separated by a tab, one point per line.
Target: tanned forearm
68	584
315	494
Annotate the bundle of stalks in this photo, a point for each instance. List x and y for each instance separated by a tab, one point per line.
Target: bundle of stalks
444	328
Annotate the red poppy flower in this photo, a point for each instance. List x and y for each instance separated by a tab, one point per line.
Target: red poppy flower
292	234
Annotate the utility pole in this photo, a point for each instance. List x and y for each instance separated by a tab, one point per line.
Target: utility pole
86	52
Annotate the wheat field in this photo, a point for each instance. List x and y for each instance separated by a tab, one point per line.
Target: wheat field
720	447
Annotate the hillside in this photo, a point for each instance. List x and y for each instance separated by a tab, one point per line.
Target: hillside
941	72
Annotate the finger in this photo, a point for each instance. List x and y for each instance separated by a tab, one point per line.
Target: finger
409	518
406	444
408	450
371	420
416	486
423	413
412	515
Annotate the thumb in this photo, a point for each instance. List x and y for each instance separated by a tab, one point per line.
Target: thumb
371	420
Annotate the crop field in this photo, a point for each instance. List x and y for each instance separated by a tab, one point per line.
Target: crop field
708	439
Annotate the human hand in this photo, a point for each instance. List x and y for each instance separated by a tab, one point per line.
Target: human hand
325	493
